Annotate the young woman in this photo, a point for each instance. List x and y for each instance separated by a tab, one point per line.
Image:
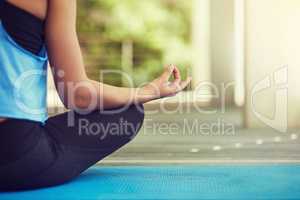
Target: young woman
37	151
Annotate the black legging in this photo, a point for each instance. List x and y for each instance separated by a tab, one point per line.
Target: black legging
34	155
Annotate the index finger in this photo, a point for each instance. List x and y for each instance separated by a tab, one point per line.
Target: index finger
177	75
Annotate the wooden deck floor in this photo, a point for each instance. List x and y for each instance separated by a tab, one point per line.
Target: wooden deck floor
193	147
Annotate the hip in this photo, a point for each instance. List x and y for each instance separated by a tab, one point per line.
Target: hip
2	120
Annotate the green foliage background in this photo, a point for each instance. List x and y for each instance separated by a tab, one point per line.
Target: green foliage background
159	29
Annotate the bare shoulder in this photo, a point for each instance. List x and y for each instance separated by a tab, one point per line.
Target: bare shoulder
37	8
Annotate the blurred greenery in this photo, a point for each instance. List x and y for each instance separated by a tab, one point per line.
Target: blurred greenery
158	30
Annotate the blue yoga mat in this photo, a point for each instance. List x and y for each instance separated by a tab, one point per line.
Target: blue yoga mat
189	182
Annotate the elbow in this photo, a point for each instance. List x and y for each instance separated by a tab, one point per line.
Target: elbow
83	99
80	98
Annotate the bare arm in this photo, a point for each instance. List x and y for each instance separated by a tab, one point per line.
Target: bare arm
74	87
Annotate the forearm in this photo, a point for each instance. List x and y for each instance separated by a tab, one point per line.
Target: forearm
109	96
102	96
91	95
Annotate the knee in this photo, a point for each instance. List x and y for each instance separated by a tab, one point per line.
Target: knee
136	115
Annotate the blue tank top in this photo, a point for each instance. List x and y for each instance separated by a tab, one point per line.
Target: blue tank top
23	81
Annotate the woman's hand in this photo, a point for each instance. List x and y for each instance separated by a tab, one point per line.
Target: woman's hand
162	87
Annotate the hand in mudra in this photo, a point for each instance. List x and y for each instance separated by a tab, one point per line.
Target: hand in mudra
162	87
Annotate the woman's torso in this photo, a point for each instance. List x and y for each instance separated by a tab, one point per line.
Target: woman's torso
24	21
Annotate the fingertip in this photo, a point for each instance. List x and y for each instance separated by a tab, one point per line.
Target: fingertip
171	67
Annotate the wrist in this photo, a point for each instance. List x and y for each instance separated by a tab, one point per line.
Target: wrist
144	95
